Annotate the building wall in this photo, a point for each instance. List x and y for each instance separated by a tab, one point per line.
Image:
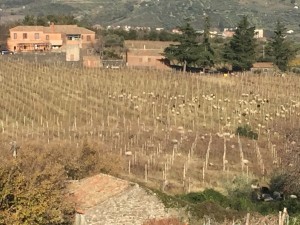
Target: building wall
261	70
35	37
26	37
72	53
145	61
146	54
17	38
259	33
92	62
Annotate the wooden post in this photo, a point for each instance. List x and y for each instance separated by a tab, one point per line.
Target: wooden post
203	173
247	168
224	155
248	219
207	152
146	173
279	218
129	171
184	171
241	153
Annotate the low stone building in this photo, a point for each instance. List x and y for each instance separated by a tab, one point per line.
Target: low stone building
92	61
107	200
146	54
263	67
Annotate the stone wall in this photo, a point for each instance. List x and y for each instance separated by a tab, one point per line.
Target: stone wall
131	207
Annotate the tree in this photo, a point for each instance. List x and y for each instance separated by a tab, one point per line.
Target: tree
41	21
166	36
187	51
153	35
32	191
29	20
280	48
132	35
207	55
4	34
113	47
240	51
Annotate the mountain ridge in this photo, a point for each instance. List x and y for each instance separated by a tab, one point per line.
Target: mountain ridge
163	13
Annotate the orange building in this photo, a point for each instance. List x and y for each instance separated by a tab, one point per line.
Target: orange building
54	37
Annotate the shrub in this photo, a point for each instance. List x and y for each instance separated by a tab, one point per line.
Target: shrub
206	195
278	182
246	131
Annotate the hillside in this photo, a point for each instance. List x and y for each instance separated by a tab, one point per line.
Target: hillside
162	13
167	122
166	130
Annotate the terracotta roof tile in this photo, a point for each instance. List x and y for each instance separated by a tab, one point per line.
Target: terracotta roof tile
66	29
27	28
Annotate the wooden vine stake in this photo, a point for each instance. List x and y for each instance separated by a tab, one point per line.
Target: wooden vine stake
129	171
283	217
203	173
241	153
248	219
146	173
224	156
207	152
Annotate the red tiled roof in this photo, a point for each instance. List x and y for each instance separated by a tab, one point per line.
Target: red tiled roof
91	191
27	28
67	29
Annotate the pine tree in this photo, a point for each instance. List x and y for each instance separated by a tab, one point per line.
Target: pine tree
207	54
281	49
240	51
187	51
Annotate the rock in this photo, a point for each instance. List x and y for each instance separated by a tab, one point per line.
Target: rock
128	153
293	196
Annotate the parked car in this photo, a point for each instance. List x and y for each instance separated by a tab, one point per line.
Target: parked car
6	52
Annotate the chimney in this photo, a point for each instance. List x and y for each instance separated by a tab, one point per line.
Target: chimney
52	27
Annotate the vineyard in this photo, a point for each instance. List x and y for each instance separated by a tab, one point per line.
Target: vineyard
174	131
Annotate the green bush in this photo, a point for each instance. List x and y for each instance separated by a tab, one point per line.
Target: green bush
215	205
206	195
246	131
211	194
193	197
278	182
241	204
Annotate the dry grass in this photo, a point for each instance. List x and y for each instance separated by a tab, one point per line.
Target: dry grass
139	115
